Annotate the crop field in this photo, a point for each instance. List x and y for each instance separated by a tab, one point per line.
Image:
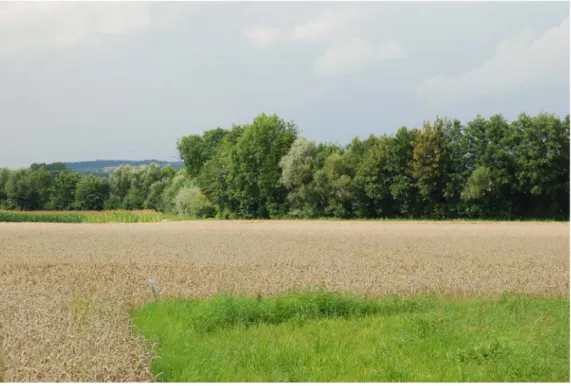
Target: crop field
97	217
68	292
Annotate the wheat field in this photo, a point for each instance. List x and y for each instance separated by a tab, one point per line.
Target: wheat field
67	290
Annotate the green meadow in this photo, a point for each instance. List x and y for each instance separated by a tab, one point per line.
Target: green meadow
329	337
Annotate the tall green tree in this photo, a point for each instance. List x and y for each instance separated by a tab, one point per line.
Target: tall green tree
195	150
403	188
245	177
458	169
41	181
62	195
333	183
217	173
491	146
297	173
91	193
431	162
28	189
542	165
4	175
372	181
119	185
489	168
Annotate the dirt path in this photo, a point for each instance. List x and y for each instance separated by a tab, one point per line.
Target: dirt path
66	290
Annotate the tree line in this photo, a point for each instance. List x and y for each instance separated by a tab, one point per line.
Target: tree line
487	168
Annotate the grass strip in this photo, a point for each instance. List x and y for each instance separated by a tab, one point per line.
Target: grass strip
329	337
82	217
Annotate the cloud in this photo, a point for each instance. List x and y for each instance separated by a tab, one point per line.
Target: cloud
28	26
355	54
328	23
521	62
343	29
262	36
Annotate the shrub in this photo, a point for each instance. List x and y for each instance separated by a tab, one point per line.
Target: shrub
192	202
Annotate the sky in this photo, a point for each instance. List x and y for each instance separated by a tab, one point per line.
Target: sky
84	81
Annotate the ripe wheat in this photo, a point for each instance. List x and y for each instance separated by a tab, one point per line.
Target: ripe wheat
67	290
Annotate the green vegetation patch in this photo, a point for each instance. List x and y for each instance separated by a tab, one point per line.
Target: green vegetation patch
82	217
326	337
8	216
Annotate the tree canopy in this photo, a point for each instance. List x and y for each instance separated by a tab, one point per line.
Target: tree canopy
487	168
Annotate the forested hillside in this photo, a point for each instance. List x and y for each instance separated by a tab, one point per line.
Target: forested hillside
101	166
485	168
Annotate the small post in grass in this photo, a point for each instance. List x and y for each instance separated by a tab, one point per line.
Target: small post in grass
153	289
259	297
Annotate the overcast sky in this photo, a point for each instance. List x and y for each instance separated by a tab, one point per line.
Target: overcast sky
83	81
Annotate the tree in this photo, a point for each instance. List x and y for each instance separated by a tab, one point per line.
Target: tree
403	188
489	168
372	182
155	180
119	185
135	199
479	184
192	202
333	185
4	175
149	175
171	189
62	195
542	166
18	190
493	144
28	189
41	181
154	198
458	170
244	176
355	153
297	172
91	193
196	150
430	164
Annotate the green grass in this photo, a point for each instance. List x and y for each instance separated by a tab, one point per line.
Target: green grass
325	337
148	216
9	216
97	217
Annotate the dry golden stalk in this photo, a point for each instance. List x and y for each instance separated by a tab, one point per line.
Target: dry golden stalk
67	290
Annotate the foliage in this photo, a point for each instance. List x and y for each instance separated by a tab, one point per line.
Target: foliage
430	165
53	167
91	193
254	167
489	169
63	191
171	190
81	216
195	150
190	201
297	172
105	167
242	176
61	217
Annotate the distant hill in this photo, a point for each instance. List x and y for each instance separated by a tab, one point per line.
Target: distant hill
107	166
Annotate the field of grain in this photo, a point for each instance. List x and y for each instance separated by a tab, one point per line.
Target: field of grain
67	290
